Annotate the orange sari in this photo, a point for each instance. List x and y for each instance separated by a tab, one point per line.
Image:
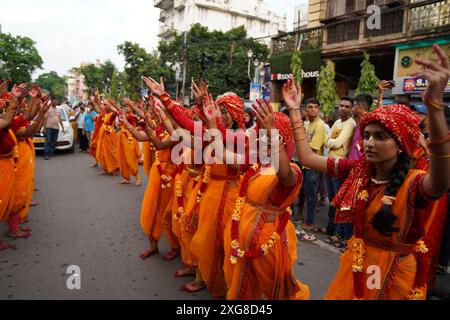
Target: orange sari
7	178
26	179
155	204
129	154
108	147
148	157
187	180
96	139
271	276
214	211
396	260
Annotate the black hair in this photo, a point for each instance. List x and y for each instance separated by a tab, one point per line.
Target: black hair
313	101
347	98
384	220
365	99
250	122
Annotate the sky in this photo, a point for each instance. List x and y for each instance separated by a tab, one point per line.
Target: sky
69	32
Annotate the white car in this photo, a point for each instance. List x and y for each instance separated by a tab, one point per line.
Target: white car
65	140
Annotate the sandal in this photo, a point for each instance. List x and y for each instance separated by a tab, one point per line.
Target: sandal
441	270
320	230
148	253
194	286
173	254
309	237
340	244
332	240
19	235
185	272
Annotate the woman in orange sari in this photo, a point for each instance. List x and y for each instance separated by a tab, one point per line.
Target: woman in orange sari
108	145
129	151
259	239
387	201
8	153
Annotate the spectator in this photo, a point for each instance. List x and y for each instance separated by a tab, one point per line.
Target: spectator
363	103
79	118
52	122
89	118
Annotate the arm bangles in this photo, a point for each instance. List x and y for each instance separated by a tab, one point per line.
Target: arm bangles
439	141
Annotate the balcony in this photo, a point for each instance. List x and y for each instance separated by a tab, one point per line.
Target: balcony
310	39
163	4
179	4
166	31
162	16
412	21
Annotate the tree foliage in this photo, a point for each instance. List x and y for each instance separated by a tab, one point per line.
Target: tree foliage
218	57
19	58
296	66
368	82
98	76
54	84
137	64
326	88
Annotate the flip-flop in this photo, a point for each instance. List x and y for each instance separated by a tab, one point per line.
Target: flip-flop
171	255
147	254
309	237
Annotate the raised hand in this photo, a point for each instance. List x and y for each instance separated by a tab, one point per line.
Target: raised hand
437	74
264	114
35	92
4	86
199	92
292	94
210	109
157	88
19	90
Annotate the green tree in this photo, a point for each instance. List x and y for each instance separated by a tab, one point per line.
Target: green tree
98	76
218	57
137	64
326	88
19	57
368	83
54	84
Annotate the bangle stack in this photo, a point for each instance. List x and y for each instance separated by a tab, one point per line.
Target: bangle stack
439	141
434	104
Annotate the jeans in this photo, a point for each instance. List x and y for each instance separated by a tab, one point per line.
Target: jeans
51	137
311	185
82	140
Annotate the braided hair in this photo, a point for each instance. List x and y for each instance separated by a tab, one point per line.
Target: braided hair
384	220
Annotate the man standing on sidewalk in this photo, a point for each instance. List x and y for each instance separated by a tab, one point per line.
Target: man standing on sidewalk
52	123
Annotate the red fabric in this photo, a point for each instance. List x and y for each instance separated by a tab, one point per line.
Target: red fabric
400	121
18	122
5	97
110	121
280	193
131	118
7	142
235	107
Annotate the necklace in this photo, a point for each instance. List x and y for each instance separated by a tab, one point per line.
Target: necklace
376	181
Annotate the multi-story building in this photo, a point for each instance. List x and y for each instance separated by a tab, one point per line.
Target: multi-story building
178	15
301	16
342	30
75	87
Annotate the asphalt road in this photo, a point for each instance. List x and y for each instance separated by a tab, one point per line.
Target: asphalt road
93	222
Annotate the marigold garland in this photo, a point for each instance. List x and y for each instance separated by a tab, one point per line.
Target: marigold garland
263	249
204	183
166	179
180	200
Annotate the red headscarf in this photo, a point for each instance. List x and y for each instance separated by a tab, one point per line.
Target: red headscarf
403	124
235	107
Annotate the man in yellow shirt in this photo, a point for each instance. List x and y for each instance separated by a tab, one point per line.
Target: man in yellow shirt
315	128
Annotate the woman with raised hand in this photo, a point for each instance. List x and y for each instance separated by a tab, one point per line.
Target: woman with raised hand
387	200
259	240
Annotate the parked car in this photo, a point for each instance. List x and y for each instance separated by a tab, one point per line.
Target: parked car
65	140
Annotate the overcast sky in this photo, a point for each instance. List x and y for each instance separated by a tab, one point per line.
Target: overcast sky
69	32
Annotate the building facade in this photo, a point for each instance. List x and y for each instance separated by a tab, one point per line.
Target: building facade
177	16
342	30
75	87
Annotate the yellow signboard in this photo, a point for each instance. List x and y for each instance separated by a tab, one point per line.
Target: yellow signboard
405	61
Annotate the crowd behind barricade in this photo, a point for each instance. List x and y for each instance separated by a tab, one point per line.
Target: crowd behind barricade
234	220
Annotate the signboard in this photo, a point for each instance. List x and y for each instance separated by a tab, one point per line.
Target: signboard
255	91
411	85
286	76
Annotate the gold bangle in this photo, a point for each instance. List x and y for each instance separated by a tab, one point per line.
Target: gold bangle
443	156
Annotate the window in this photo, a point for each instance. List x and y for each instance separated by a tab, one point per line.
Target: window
262	27
249	24
181	16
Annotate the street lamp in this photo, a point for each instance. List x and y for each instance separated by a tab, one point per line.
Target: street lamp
250	56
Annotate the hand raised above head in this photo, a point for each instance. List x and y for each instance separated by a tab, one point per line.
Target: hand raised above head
157	88
292	94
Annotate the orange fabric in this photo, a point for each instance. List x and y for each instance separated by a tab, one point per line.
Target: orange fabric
23	179
129	154
395	271
156	199
148	157
179	223
7	186
27	148
271	276
96	139
207	243
108	155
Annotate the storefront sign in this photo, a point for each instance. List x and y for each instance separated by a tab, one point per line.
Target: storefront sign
286	76
418	85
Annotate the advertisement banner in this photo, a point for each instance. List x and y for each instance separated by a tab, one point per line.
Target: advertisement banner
418	85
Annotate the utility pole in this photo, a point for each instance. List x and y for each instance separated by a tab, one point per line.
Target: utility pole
185	57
